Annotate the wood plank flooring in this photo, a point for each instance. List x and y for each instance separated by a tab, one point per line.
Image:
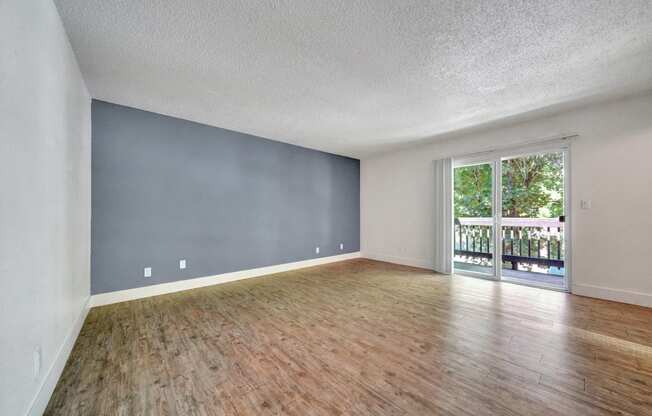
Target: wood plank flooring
361	338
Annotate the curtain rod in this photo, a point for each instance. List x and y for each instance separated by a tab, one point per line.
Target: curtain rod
517	146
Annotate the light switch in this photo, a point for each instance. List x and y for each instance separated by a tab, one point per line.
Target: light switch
585	204
317	250
341	246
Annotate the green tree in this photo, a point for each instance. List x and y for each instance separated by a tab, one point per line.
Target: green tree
532	186
472	193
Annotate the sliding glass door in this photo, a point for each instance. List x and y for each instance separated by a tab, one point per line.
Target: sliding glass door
510	217
473	209
532	231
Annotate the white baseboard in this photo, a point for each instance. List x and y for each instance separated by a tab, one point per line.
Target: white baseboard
171	287
422	263
46	389
617	295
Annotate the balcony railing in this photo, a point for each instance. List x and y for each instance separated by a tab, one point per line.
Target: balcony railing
526	241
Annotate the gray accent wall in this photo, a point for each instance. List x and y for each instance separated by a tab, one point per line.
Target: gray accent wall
165	189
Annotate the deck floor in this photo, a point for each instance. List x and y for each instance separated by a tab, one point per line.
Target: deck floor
518	276
361	338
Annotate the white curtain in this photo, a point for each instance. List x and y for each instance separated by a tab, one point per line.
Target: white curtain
444	216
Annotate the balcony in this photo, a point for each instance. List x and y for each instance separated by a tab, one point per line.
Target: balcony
532	249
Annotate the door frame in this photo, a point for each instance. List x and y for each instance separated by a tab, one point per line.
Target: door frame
494	159
473	161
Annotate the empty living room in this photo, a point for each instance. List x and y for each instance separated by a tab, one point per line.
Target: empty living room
283	207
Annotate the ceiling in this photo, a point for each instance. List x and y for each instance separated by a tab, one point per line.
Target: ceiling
358	77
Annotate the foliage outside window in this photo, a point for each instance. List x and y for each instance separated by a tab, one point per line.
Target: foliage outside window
532	187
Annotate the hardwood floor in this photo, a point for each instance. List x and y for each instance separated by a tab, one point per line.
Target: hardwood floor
361	338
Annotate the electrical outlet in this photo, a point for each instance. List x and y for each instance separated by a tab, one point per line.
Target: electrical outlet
37	362
585	204
317	250
147	272
182	264
341	246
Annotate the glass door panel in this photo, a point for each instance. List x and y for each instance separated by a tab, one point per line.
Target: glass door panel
473	208
532	223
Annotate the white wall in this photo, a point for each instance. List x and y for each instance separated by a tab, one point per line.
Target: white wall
44	201
611	164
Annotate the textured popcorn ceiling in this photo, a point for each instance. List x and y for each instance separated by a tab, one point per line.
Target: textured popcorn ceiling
358	77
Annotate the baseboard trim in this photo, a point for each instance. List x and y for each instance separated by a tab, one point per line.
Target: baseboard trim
40	401
599	292
421	263
617	295
171	287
